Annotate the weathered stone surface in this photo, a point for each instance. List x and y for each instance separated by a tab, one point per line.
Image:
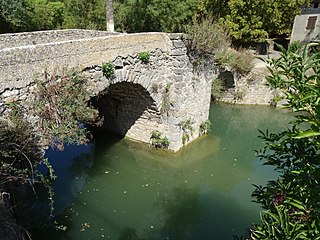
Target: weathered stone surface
118	63
40	37
138	99
249	89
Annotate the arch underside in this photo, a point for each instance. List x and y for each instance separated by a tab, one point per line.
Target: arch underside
128	110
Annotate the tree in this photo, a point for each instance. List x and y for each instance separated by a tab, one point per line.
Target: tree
256	20
89	14
212	8
14	16
109	16
154	15
45	15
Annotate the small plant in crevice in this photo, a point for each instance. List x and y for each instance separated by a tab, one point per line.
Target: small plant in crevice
158	141
108	70
144	57
217	88
155	87
62	108
166	103
205	127
187	130
238	95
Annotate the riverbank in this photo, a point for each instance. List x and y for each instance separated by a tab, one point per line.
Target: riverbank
250	89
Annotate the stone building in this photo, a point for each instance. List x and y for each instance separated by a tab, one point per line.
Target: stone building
306	26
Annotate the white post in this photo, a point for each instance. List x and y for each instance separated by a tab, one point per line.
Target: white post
109	16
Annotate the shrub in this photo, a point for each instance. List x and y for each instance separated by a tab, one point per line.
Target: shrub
158	141
206	37
20	157
292	201
217	88
187	130
240	61
62	109
144	56
205	127
108	70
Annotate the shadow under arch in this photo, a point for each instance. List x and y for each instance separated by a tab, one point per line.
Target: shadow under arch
124	105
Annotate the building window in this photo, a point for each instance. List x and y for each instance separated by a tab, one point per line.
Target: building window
311	25
316	5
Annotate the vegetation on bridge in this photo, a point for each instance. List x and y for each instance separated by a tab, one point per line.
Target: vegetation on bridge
63	110
291	202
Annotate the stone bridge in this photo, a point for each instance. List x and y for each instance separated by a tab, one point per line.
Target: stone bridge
161	95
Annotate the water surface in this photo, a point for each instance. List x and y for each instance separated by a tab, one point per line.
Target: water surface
119	189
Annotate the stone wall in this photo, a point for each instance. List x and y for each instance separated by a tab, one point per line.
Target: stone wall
155	96
248	89
142	97
21	65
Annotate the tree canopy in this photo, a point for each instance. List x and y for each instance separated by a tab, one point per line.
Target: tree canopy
247	20
255	20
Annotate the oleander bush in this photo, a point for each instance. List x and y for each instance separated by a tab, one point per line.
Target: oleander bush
291	202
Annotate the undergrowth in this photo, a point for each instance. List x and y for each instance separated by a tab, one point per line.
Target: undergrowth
63	110
20	157
158	141
206	38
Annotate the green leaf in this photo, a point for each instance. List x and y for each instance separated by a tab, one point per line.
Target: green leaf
297	204
307	134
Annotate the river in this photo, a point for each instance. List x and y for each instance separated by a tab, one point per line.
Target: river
119	189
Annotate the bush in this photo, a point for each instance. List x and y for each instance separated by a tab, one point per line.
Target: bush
292	201
209	39
20	157
240	61
217	88
158	141
144	56
63	110
206	37
108	70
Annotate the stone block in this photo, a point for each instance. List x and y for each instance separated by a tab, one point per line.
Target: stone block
118	63
178	44
179	52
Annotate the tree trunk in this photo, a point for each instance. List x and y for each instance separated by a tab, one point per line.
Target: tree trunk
109	15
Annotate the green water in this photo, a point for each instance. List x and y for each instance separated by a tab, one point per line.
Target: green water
118	189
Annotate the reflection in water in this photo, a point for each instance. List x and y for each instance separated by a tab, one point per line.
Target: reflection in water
182	213
120	189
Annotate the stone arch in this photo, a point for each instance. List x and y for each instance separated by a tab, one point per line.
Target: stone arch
128	110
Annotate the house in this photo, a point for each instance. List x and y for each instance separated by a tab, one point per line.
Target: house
306	26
